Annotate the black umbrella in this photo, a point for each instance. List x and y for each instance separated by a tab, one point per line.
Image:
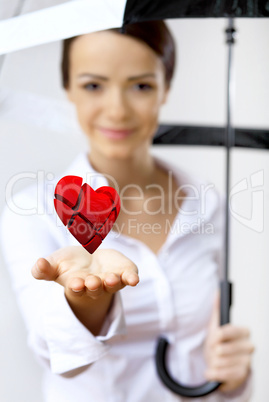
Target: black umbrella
147	10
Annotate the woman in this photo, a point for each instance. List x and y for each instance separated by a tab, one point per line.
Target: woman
96	333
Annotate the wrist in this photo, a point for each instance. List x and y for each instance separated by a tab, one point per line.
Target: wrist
90	312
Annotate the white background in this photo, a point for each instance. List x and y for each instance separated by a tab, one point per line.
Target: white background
198	97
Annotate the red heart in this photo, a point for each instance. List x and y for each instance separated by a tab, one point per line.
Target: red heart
89	215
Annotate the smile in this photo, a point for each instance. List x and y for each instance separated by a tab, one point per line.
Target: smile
115	134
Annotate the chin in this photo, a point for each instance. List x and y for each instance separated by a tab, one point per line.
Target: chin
122	150
120	154
117	150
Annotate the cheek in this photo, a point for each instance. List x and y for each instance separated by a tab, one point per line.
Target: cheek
149	111
85	113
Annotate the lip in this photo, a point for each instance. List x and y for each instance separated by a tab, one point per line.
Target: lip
115	134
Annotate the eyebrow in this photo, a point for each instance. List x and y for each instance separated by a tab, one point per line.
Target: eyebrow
101	77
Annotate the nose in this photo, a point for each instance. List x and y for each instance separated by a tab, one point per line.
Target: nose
117	106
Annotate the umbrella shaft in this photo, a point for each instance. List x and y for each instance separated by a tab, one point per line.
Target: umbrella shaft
230	31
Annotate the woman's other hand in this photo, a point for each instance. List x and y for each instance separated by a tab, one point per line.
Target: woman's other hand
89	280
228	351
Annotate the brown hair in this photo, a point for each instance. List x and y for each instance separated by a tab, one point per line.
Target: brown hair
154	33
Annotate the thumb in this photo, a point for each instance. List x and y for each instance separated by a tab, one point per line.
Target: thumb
214	323
44	270
215	315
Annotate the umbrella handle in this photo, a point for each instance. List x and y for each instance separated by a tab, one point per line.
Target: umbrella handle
208	387
174	386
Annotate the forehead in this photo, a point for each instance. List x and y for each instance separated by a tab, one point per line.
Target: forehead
103	51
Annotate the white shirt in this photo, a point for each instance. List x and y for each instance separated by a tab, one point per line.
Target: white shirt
173	299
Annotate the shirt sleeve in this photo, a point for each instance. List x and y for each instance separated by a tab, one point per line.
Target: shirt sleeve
57	337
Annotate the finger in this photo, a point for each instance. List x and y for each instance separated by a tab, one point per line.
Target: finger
130	278
75	287
235	373
94	286
44	270
230	361
237	347
229	332
76	284
112	282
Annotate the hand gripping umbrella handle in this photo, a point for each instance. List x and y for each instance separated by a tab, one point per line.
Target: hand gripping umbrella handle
208	387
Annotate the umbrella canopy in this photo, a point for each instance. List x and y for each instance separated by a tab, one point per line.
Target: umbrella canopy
30	29
147	9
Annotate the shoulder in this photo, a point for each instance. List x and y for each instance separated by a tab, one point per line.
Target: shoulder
32	206
37	198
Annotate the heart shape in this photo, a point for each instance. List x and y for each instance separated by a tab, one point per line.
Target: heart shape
88	215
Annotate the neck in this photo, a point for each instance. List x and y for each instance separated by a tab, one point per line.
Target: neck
139	169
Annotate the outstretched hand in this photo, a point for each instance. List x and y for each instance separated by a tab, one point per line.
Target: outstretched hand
81	272
90	280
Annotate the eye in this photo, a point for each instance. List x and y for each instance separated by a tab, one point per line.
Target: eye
143	87
93	86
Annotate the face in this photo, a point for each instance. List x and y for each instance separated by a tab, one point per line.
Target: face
118	86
